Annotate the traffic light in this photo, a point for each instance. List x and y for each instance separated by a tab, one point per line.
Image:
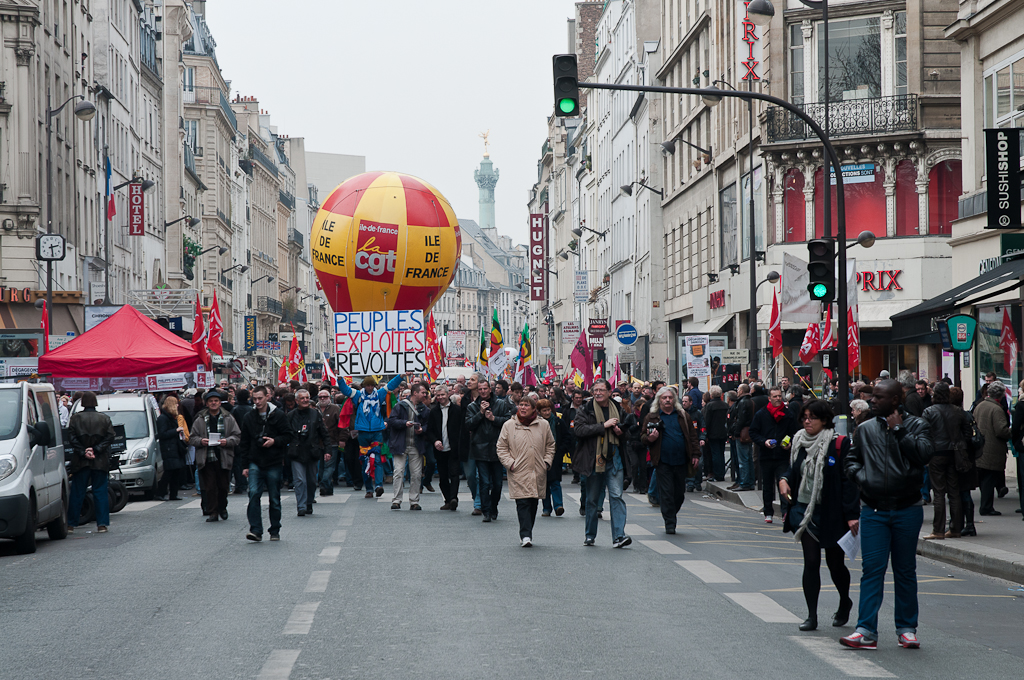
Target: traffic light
567	91
821	270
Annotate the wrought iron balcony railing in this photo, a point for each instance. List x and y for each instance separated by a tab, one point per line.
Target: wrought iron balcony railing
882	115
269	305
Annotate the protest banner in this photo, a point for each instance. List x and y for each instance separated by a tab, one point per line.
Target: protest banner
380	343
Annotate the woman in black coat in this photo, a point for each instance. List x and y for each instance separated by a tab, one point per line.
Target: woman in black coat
172	446
824	505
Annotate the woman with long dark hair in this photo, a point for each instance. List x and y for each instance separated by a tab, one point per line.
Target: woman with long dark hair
824	506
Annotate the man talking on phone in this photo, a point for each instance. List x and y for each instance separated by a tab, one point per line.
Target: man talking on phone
265	438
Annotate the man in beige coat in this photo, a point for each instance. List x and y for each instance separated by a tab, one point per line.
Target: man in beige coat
526	448
992	422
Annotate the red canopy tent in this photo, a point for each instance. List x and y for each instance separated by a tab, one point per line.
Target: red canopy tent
127	344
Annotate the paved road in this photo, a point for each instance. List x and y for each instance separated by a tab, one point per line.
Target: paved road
359	591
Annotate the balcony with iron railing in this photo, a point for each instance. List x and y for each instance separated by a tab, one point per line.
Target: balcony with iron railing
295	236
297	317
854	117
269	305
263	160
213	96
190	160
287	200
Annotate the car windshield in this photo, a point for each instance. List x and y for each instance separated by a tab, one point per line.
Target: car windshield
10	413
135	426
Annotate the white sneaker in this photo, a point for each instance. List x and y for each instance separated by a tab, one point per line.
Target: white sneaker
527	542
768	519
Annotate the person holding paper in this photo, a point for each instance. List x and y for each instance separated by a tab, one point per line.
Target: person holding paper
823	506
215	434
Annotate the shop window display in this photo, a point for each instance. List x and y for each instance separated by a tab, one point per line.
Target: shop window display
945	184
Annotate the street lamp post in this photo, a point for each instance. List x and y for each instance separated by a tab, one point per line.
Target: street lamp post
755	357
711	96
84	110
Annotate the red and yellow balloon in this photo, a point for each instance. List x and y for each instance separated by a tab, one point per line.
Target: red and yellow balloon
383	241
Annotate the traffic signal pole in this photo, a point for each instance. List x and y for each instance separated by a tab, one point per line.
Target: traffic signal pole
714	92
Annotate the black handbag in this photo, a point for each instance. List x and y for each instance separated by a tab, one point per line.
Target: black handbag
976	444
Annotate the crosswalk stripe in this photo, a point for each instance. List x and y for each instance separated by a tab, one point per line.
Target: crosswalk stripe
334	498
850	663
279	665
318	581
707	572
637	530
329	555
664	547
338	536
192	505
139	506
763	607
301	619
715	506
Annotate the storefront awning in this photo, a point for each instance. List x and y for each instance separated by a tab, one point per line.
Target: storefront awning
915	324
714	325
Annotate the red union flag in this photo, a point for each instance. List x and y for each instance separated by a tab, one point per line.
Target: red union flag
136	210
538	258
811	345
1008	343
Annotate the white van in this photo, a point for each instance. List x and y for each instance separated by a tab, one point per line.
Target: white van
142	466
34	488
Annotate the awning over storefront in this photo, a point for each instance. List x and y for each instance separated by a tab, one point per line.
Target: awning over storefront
712	326
915	324
27	316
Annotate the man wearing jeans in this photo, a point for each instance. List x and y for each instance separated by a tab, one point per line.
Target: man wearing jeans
743	416
484	418
887	463
600	458
265	438
369	422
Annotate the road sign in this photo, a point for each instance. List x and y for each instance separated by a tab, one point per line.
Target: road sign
570	332
626	334
735	356
627	355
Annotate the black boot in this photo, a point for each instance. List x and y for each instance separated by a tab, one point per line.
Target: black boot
843	615
969	529
810	624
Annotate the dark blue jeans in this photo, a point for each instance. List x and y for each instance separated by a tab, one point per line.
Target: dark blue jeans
79	481
265	479
715	453
883	534
489	491
472	481
554	496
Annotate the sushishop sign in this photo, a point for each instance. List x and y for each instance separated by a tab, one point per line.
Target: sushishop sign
1002	151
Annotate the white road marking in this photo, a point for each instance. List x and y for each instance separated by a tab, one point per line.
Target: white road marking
301	619
193	505
665	548
345	521
279	665
574	496
329	555
715	506
338	536
848	661
318	581
139	506
335	498
637	530
638	496
765	608
707	572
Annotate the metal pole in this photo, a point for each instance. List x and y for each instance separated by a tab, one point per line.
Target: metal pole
827	190
752	322
49	211
106	226
844	396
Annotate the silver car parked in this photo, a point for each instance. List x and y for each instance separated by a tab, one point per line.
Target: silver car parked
141	463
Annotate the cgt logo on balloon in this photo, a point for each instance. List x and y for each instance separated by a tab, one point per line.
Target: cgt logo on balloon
376	251
380	343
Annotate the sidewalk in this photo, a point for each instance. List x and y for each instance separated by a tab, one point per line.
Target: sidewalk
997	550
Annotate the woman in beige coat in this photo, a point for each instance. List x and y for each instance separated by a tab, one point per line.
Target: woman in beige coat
526	448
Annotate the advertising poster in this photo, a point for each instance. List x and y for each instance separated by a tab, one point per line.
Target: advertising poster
380	343
698	356
456	346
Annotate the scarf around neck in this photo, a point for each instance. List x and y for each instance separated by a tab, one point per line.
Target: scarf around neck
815	452
527	422
608	437
778	412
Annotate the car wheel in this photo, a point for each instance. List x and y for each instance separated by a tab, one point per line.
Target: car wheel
150	493
88	511
118	495
26	542
58	529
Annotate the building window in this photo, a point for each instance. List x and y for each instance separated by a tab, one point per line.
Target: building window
945	184
796	64
1004	95
907	206
727	219
759	203
865	203
794	207
901	53
854	60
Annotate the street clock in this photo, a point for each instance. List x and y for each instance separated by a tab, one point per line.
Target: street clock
50	247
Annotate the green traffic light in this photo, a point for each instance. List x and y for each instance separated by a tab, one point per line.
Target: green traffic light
819	291
567	105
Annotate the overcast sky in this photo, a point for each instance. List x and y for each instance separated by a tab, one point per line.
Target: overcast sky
408	84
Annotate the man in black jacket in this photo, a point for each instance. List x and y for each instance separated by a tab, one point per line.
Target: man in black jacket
887	463
716	431
697	421
90	434
444	426
264	443
484	418
742	417
309	444
240	410
770	430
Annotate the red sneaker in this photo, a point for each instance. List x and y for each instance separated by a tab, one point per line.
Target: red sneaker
858	641
908	641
